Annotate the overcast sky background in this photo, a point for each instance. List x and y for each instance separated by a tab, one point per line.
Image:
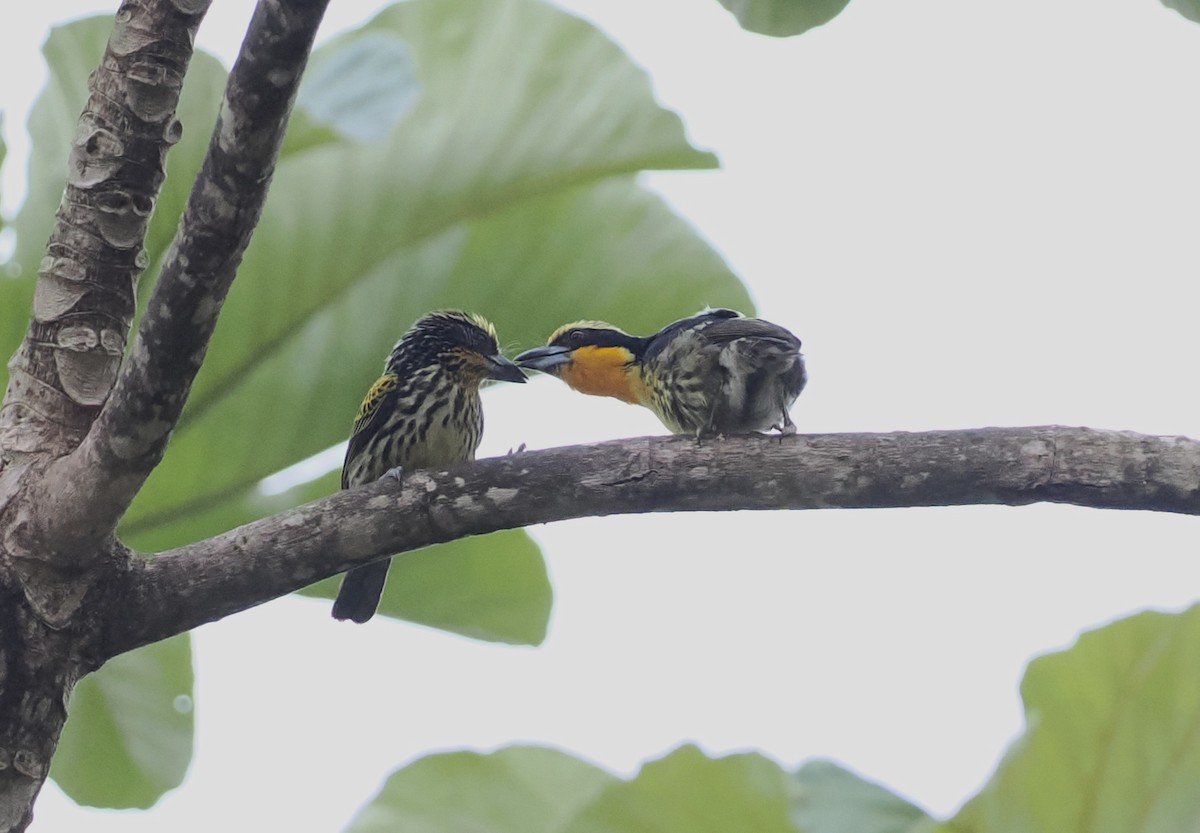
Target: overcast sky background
973	214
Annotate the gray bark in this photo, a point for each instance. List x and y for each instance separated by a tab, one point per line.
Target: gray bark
77	441
199	583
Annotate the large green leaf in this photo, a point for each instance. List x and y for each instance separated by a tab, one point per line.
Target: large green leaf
596	252
785	17
363	88
16	304
688	792
16	295
3	156
829	799
515	790
517	101
535	790
491	587
129	735
507	188
1112	740
1188	8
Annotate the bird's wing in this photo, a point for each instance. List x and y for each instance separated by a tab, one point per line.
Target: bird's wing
731	329
704	319
368	413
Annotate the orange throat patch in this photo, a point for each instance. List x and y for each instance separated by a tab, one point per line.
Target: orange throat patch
605	371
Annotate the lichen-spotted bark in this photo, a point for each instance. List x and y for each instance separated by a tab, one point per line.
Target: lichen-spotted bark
38	668
84	302
76	439
130	433
205	581
64	370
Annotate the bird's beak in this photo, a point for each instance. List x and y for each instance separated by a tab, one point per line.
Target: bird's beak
546	359
503	370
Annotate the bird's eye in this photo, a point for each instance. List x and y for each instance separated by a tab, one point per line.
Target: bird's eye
576	337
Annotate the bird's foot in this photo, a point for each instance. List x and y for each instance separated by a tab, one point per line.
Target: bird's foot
395	472
517	450
788	427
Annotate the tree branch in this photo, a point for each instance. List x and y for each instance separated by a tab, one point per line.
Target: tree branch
208	580
57	518
96	483
84	301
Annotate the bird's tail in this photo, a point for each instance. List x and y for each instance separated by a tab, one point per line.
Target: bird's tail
359	594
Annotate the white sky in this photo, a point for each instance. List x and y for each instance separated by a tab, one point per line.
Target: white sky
973	214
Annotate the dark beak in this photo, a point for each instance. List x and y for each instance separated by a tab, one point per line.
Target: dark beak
503	370
546	359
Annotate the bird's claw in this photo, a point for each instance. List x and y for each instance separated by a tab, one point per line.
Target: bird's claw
516	450
395	472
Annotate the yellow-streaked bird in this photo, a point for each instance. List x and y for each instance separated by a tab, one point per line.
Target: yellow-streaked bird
423	412
716	372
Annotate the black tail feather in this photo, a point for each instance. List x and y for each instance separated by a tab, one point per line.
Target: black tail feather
358	597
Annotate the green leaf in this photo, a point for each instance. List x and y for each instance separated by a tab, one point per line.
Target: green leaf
515	790
687	792
492	587
199	103
16	295
594	252
542	791
3	156
16	307
1188	8
829	799
784	17
128	738
72	51
363	88
1113	736
507	189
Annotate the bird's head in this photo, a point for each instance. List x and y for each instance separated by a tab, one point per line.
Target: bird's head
461	343
592	357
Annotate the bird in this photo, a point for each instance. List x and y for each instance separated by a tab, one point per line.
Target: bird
713	373
423	412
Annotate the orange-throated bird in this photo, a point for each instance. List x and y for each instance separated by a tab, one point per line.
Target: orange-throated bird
423	412
716	372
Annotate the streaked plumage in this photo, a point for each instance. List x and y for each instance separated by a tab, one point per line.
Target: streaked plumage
716	372
423	412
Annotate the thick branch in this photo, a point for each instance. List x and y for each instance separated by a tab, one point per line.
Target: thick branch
1014	466
98	482
64	369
